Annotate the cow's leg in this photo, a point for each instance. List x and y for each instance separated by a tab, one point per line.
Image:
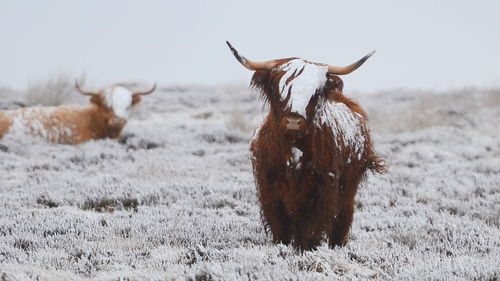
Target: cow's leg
278	221
307	234
309	224
339	234
342	223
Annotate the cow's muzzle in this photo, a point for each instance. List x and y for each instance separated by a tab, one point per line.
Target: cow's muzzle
293	124
116	122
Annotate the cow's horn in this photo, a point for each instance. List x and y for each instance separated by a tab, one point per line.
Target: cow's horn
142	93
252	65
87	93
342	70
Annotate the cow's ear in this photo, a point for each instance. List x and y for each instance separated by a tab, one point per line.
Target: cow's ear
135	100
335	84
97	99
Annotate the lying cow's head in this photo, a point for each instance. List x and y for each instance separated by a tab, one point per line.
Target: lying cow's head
115	103
294	86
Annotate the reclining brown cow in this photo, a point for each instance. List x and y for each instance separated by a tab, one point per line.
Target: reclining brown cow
104	117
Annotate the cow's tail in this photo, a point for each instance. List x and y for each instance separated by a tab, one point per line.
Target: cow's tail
377	165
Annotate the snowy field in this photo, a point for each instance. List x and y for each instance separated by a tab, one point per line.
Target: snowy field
175	199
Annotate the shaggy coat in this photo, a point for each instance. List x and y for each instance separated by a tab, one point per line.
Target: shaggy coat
104	117
307	178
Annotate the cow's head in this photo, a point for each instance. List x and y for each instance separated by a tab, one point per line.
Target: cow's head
115	103
294	86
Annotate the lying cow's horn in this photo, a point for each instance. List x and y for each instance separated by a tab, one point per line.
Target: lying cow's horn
87	93
342	70
142	93
252	65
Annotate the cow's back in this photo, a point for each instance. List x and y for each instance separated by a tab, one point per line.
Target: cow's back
64	124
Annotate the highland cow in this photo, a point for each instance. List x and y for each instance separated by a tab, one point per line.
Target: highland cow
104	117
310	153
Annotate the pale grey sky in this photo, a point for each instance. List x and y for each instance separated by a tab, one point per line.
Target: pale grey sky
426	44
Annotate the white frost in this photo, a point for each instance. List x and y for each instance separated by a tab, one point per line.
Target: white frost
184	200
256	133
304	86
344	122
40	121
296	154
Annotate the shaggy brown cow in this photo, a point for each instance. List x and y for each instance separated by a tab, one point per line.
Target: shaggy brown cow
104	117
310	153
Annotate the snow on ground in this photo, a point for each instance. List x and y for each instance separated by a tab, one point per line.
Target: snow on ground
175	199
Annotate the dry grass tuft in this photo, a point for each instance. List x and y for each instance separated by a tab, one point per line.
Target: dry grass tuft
241	121
458	109
492	98
53	92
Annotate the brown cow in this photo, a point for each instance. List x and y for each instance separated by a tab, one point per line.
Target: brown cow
104	117
310	153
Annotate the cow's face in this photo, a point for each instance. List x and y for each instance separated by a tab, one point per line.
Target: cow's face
117	103
294	89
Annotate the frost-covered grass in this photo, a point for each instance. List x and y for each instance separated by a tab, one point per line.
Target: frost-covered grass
57	90
175	199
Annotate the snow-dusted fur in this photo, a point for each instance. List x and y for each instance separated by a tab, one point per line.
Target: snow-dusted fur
177	201
104	117
307	176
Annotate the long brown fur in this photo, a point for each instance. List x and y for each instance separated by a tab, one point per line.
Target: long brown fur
301	202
